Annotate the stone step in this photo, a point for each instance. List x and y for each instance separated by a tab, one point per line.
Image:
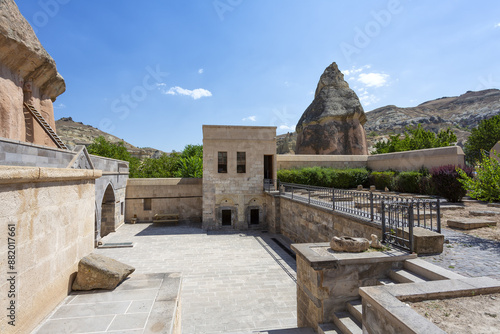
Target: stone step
302	330
347	323
470	223
355	307
451	207
484	213
328	328
405	276
385	281
494	205
429	271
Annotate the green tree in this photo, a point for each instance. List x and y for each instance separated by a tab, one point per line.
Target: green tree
104	148
190	163
164	166
482	138
415	139
485	185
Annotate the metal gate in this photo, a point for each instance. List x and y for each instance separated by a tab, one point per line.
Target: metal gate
397	224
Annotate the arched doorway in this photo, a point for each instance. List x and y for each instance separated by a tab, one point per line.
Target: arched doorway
108	211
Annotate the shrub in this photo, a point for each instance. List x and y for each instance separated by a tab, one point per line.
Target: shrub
382	179
486	185
408	182
325	177
445	180
425	186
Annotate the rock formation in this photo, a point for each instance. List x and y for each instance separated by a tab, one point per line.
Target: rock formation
97	271
349	244
27	74
333	122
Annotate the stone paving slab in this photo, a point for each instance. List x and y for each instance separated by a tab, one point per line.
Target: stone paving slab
470	223
484	213
232	282
127	309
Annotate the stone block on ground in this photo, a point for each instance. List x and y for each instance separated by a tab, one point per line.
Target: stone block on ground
484	213
348	244
469	224
100	272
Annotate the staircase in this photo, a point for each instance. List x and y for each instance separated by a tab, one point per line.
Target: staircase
52	134
413	271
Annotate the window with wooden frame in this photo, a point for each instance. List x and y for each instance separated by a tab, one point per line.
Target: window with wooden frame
241	162
222	162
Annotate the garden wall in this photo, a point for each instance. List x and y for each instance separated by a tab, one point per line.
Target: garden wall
182	196
402	161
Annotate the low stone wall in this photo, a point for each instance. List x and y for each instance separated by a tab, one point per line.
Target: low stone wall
326	281
291	161
50	215
182	196
402	161
413	160
305	223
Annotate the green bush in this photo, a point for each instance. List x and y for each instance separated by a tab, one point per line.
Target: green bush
325	177
486	185
382	179
425	186
408	182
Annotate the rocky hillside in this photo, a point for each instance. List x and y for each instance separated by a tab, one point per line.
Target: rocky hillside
460	113
76	133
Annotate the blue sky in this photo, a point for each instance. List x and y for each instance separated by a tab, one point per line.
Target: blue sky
153	72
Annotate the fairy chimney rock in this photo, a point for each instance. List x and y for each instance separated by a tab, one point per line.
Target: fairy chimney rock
333	122
27	74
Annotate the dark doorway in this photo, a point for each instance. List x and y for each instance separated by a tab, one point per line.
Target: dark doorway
226	217
268	166
108	211
254	216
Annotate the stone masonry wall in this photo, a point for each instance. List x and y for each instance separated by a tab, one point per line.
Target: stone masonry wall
237	192
182	196
304	223
52	212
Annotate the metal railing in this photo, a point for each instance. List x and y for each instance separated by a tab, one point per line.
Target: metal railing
358	203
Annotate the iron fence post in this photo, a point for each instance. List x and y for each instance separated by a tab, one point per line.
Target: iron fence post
438	211
383	220
371	206
309	195
410	227
292	192
333	199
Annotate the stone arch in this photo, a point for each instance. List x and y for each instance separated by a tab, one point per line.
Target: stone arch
255	212
226	201
108	208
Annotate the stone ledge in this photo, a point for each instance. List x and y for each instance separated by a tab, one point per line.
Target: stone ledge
16	174
318	256
389	300
469	224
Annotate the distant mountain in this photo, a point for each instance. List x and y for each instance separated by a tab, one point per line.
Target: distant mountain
76	133
460	113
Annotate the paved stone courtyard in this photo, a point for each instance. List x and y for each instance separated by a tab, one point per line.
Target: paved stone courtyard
243	282
232	282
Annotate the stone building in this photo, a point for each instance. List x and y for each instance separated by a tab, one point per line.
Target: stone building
236	160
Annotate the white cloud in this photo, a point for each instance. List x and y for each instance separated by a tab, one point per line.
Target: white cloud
195	93
367	99
373	79
286	127
200	71
355	70
60	106
497	25
250	118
